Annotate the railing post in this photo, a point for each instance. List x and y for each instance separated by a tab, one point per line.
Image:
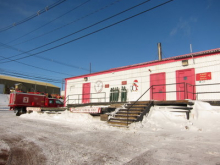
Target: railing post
184	90
194	98
78	99
152	93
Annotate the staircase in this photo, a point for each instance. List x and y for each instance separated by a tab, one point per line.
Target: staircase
133	112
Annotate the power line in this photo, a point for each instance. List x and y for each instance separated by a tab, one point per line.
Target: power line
52	76
33	16
40	57
82	30
50	21
39	67
18	74
106	27
64	25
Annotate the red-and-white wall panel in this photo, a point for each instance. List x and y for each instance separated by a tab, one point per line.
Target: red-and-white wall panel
114	79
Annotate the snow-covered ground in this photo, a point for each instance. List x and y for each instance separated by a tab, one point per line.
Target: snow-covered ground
4	100
163	137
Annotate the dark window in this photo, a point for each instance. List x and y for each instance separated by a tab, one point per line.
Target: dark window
51	101
58	102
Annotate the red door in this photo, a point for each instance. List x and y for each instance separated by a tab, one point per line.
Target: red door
86	93
185	80
158	87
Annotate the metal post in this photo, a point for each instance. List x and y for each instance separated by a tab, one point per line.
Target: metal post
184	90
152	92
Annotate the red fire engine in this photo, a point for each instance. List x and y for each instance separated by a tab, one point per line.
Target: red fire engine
23	102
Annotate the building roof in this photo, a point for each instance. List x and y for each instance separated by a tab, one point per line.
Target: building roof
174	58
27	81
196	54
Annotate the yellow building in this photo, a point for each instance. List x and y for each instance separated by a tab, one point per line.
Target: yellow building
8	83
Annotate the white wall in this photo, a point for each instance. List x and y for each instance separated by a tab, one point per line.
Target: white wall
2	88
114	79
4	100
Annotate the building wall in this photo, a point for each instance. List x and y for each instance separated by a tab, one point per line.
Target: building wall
114	78
27	87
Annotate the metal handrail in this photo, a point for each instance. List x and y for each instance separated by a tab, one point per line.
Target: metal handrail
91	98
153	93
137	101
197	93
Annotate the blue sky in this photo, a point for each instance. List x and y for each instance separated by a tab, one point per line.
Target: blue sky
176	25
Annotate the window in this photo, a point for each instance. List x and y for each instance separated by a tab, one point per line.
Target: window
51	101
58	102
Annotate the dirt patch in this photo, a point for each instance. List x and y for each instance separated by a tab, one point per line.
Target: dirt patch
21	151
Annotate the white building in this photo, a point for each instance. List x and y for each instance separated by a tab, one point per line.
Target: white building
190	76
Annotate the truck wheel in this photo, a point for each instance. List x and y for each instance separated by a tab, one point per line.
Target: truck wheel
24	110
18	112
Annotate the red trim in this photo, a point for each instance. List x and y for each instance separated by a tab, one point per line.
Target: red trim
65	92
152	63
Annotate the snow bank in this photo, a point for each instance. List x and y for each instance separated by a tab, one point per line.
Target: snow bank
162	118
203	117
67	117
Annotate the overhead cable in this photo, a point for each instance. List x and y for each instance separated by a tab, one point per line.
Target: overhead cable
62	25
40	57
18	74
106	27
51	21
40	68
81	30
32	16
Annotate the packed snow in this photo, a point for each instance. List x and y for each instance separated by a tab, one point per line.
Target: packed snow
203	118
163	137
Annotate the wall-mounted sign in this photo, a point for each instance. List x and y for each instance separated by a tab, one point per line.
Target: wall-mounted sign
203	76
98	86
124	83
86	110
106	85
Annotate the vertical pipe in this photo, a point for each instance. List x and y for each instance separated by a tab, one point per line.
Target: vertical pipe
159	51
